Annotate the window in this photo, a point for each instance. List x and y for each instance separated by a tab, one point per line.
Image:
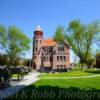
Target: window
44	59
47	50
50	58
54	51
44	49
58	48
57	58
40	41
57	66
36	41
33	49
64	66
61	58
36	49
34	57
64	58
61	66
47	58
63	48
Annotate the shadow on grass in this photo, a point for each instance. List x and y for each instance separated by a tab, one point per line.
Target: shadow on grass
33	92
93	71
5	92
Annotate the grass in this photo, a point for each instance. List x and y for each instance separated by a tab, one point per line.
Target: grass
87	84
61	89
14	75
72	73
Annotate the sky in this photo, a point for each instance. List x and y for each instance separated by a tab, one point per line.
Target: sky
27	14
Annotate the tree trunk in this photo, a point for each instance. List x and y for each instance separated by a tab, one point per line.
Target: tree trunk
11	61
82	66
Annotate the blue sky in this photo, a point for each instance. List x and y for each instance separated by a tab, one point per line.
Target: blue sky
26	14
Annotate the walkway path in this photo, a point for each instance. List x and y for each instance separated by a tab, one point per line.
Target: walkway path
28	79
91	76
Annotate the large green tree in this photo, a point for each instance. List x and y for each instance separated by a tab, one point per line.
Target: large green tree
13	42
59	34
80	37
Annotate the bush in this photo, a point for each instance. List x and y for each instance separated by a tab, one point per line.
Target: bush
90	61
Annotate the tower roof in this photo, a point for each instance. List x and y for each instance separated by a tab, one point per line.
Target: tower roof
38	28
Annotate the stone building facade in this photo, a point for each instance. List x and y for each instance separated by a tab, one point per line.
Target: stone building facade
48	54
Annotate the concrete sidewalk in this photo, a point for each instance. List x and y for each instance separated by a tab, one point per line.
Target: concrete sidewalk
28	79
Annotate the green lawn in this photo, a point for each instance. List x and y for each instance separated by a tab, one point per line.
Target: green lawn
86	83
68	89
72	73
14	75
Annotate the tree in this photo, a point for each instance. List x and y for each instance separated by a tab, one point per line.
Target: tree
59	34
13	42
2	36
80	37
90	61
3	59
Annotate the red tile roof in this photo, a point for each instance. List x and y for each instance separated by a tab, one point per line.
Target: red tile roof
48	42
